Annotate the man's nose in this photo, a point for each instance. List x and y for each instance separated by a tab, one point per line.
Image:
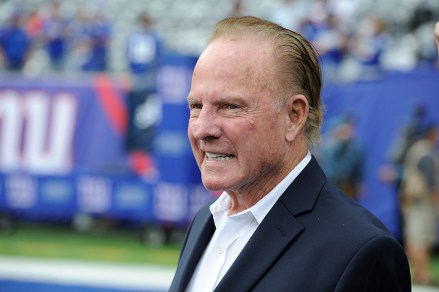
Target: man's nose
206	125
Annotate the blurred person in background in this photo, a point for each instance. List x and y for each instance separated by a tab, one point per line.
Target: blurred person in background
98	34
279	225
420	202
34	24
144	47
79	40
56	36
342	157
15	43
366	47
410	132
327	35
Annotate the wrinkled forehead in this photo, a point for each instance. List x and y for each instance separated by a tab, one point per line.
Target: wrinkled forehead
248	56
250	46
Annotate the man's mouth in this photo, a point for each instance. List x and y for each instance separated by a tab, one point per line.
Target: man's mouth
219	157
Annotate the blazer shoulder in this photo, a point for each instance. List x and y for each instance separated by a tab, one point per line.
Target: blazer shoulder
349	212
380	264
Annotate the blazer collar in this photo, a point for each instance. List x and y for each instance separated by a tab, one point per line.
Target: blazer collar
276	231
302	194
196	244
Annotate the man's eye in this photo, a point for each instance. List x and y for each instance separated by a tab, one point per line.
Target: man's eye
195	106
231	106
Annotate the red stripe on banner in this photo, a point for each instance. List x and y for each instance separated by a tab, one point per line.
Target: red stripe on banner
111	103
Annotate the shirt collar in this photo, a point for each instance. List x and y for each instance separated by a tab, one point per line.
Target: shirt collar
220	207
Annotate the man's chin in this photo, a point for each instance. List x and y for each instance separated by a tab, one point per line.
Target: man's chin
214	185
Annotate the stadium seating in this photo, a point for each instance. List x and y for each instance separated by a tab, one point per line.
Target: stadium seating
185	25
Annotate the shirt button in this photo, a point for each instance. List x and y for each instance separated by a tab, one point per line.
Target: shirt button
220	249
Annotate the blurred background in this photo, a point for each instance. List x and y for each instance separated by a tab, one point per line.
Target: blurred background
97	178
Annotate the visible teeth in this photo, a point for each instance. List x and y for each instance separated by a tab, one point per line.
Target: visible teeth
220	157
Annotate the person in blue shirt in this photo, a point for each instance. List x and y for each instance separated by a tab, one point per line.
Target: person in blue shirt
329	41
144	107
56	34
143	46
97	33
15	44
342	157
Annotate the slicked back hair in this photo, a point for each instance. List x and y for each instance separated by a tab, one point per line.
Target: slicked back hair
297	68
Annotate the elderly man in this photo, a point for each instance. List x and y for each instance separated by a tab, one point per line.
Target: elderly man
255	113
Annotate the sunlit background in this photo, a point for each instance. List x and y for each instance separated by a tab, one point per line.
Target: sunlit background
97	178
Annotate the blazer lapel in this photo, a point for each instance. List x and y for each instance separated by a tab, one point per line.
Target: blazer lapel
199	236
276	231
271	237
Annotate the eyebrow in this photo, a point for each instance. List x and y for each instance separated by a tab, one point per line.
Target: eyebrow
232	98
227	99
191	99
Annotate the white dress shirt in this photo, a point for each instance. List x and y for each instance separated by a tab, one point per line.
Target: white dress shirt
233	232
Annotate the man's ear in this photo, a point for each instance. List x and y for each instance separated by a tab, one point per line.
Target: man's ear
298	108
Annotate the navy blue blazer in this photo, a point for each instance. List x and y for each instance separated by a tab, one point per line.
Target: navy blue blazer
314	238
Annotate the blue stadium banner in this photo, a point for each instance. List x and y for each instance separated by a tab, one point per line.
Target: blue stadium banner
63	149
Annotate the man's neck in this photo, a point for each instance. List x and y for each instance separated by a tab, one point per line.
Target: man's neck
245	198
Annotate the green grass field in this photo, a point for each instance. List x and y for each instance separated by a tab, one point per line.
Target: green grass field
115	245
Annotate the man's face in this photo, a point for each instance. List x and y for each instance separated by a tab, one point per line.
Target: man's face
236	131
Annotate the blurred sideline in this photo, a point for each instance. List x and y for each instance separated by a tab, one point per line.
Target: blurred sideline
102	276
94	276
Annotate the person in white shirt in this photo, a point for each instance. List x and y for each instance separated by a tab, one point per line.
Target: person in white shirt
255	114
